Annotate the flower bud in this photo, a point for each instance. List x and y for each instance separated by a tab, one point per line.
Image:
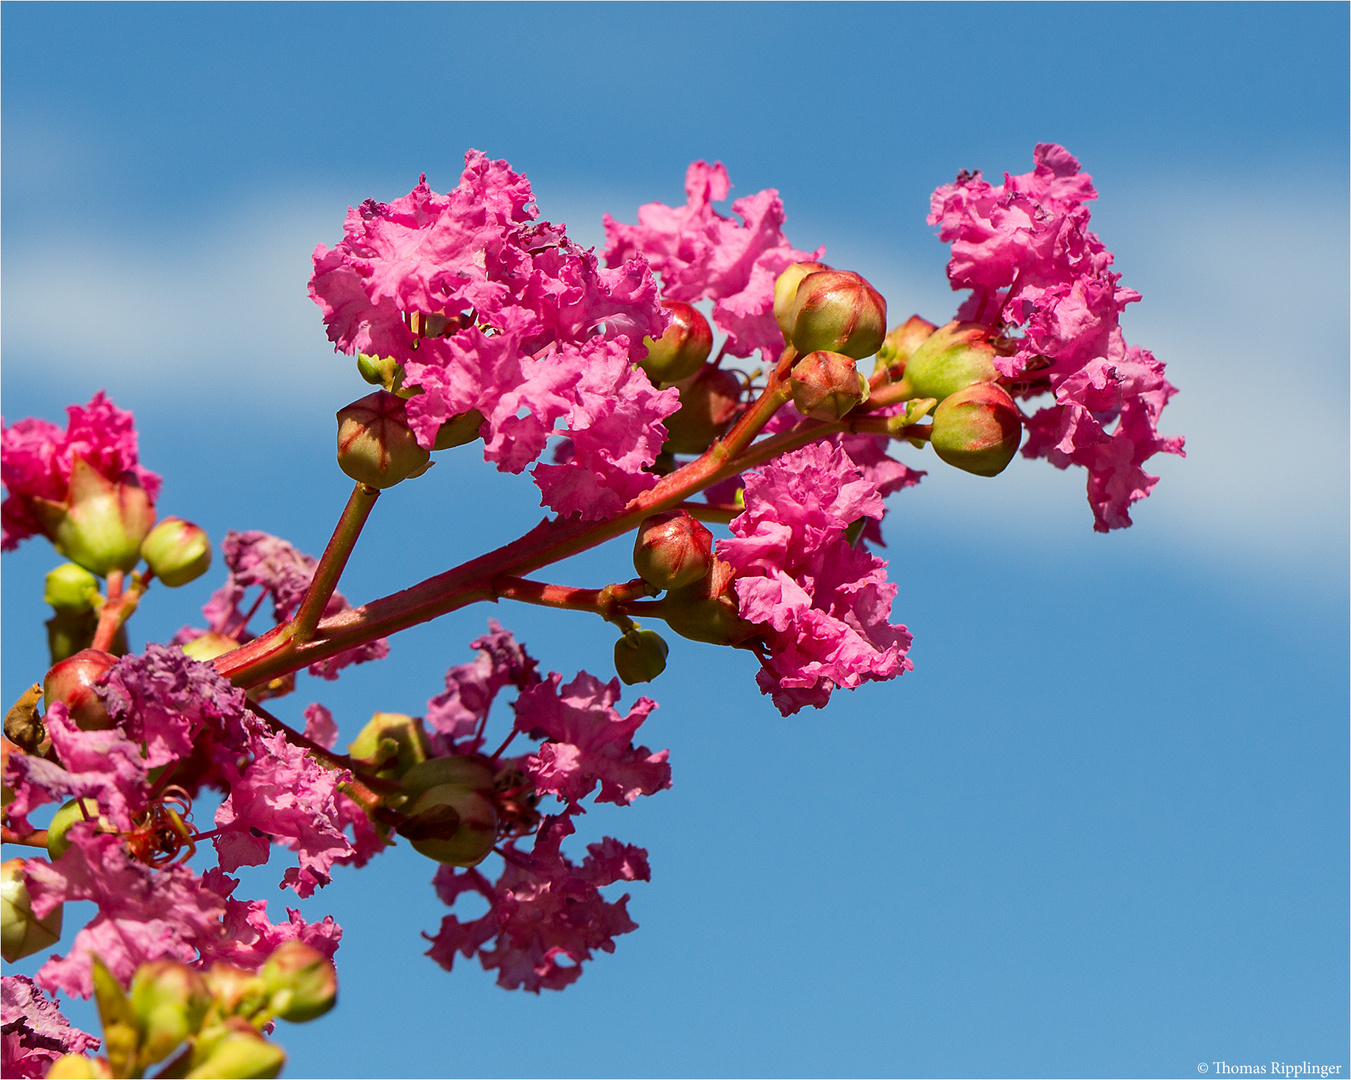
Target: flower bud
785	293
376	446
83	809
101	523
672	549
952	358
79	1067
451	816
977	429
170	1000
640	656
301	982
177	551
234	990
708	405
21	932
121	1028
208	646
682	349
902	342
461	770
826	385
235	1051
839	311
72	683
71	588
707	610
458	430
379	370
391	744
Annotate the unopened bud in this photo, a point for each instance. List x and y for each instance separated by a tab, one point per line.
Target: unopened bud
640	656
21	932
208	646
234	990
235	1051
451	816
458	430
391	744
77	810
785	293
177	551
708	405
902	342
101	523
379	370
977	429
707	610
79	1067
72	683
672	549
462	770
170	1000
71	588
952	358
826	385
682	349
301	982
375	444
839	311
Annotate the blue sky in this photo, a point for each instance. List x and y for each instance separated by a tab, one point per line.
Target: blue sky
1101	829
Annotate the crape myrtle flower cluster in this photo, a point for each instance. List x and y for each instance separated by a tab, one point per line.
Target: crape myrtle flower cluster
476	320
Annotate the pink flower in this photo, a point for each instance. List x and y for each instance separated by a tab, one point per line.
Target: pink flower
283	575
462	709
589	743
544	909
513	315
36	458
33	1033
702	255
249	936
824	603
1025	249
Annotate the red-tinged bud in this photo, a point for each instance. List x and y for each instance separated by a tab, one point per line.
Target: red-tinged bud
826	385
672	549
785	293
458	430
640	656
72	683
839	311
391	744
301	981
707	610
977	429
902	342
170	1000
376	446
101	523
177	551
71	588
232	1051
77	810
708	405
952	358
21	932
682	349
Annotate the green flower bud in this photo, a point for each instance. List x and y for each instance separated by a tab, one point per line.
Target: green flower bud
708	405
785	293
977	429
79	1067
301	982
101	523
72	682
170	1001
826	385
234	990
71	588
208	646
707	610
681	351
838	311
85	809
950	359
68	632
177	551
640	656
458	430
470	773
451	813
391	743
902	341
21	932
121	1028
376	446
235	1051
672	549
379	370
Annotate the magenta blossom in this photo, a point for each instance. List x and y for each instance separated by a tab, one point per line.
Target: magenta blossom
33	1033
462	710
702	255
824	603
36	458
1025	250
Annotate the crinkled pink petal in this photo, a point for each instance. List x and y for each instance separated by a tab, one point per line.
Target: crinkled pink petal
33	1031
471	688
250	937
